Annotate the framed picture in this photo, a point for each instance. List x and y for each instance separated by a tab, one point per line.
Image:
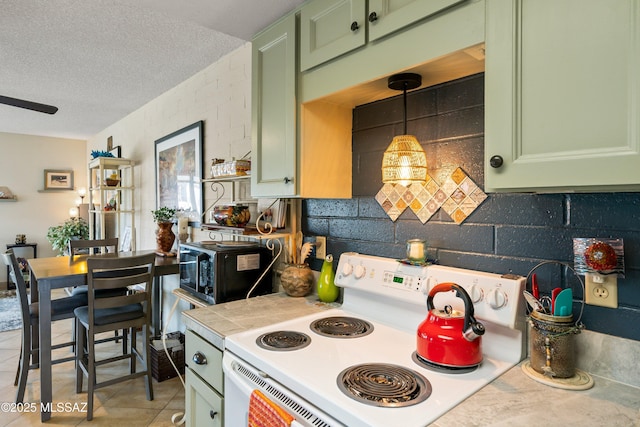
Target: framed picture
116	151
179	170
58	179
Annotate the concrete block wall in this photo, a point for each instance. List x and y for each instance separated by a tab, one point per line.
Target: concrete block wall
508	233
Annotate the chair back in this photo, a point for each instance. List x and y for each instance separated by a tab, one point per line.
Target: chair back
15	274
92	246
107	273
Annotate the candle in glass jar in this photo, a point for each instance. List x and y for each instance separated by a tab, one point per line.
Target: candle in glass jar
183	225
416	250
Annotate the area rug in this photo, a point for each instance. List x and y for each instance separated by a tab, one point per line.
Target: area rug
10	317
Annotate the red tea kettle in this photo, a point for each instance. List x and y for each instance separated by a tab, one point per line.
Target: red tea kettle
448	337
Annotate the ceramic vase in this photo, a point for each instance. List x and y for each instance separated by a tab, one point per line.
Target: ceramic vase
165	237
297	280
327	289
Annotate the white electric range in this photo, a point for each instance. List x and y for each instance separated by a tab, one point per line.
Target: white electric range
387	299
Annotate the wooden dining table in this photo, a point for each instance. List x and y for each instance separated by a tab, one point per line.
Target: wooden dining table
52	273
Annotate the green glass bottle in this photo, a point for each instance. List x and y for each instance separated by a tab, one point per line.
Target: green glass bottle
327	289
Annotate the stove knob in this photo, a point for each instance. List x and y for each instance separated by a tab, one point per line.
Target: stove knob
476	293
347	269
497	299
360	271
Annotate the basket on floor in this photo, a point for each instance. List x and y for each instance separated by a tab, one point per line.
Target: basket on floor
161	368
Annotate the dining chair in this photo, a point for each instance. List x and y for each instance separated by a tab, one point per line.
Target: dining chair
91	247
131	311
61	308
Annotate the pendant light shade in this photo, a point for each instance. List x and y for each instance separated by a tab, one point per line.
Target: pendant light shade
404	161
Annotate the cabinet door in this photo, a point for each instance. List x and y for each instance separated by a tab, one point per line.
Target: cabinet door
562	94
386	16
329	28
203	406
273	142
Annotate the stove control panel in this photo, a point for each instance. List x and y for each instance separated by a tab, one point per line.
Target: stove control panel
496	298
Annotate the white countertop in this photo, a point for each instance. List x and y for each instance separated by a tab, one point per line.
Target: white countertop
513	399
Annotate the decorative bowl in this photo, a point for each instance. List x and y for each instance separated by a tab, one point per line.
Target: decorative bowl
231	216
112	182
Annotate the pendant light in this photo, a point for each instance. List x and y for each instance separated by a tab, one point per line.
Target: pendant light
404	161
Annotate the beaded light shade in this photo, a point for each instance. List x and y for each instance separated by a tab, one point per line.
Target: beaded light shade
404	161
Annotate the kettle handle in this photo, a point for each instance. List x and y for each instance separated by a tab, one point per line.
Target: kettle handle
472	328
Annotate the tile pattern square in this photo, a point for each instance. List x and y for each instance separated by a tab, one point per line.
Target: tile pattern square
459	196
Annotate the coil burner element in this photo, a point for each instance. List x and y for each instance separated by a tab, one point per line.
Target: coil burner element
385	385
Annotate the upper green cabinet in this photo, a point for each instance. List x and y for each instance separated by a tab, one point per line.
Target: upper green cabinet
387	16
273	110
330	28
562	98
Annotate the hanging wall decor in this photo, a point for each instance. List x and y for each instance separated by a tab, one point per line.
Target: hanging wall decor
459	196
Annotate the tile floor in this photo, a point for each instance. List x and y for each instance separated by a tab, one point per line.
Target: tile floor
122	404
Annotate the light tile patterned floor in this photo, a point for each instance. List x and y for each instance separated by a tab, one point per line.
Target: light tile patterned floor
123	404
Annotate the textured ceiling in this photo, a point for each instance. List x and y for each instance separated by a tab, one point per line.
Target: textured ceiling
99	60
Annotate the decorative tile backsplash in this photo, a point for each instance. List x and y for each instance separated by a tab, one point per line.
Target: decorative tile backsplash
459	196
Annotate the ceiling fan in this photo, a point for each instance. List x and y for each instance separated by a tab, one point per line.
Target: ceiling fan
29	105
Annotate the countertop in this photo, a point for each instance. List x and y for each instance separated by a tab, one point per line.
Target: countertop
215	322
513	399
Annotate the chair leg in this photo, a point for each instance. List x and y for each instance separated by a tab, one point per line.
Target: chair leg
91	382
125	335
132	353
23	364
147	362
81	335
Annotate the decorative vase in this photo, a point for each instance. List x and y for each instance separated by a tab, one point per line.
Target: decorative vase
297	280
327	289
165	237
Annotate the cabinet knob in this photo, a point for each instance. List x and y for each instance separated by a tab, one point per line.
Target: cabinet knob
287	180
496	161
354	26
199	358
212	414
373	17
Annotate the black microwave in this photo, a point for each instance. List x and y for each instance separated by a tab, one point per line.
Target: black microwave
224	271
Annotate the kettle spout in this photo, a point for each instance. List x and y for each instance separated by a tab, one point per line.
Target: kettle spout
474	331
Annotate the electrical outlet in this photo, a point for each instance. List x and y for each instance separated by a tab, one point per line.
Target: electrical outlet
601	290
321	247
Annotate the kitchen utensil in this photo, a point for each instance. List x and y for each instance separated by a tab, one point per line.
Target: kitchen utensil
534	286
554	294
563	303
447	337
533	302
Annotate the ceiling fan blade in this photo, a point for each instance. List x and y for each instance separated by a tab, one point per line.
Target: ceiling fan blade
29	105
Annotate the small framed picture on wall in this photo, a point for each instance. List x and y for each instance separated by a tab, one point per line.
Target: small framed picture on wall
58	179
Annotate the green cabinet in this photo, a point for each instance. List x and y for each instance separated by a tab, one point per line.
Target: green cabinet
330	28
273	111
204	398
562	98
387	16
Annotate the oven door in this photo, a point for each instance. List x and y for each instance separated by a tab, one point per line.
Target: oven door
241	378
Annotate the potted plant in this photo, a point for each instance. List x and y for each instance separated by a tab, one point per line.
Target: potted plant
164	217
73	228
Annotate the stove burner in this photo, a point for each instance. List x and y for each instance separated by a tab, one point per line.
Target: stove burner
384	385
443	369
283	340
341	327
